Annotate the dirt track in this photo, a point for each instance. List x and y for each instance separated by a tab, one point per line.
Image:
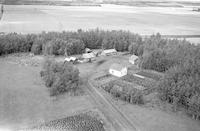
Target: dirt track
114	115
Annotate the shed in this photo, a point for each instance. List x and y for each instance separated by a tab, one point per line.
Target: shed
68	59
109	52
133	59
88	55
118	70
87	50
196	9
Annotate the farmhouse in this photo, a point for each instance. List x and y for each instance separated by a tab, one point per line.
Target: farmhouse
109	52
118	70
133	59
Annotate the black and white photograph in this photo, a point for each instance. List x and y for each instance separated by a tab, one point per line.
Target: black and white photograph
99	65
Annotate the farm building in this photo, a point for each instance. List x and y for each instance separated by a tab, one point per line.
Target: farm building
87	50
196	9
88	56
118	70
70	59
134	59
109	52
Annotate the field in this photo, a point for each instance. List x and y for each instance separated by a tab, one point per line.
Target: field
156	120
142	20
25	101
83	122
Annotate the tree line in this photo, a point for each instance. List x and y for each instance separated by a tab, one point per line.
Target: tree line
60	43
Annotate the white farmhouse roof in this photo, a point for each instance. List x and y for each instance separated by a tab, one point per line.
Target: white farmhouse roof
88	55
117	67
109	51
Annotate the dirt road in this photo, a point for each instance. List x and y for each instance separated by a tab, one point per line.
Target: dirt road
119	121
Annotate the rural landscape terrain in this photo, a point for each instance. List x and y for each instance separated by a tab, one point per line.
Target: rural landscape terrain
102	65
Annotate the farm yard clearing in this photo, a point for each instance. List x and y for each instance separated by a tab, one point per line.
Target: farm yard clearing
21	87
142	20
25	101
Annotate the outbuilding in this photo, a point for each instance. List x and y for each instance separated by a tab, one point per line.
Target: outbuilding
118	70
196	9
109	52
87	50
134	59
70	59
88	56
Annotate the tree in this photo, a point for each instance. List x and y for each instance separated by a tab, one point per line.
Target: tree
37	46
60	77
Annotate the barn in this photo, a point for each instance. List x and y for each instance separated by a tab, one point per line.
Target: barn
133	59
109	52
118	70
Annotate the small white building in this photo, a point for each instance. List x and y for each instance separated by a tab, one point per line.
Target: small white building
196	9
109	52
118	70
87	50
133	59
88	56
70	59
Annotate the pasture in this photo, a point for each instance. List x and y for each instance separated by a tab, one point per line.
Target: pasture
25	101
142	20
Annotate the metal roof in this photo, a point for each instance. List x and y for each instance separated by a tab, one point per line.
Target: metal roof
109	51
88	55
117	67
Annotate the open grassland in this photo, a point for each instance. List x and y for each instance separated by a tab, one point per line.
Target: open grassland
25	101
157	120
142	20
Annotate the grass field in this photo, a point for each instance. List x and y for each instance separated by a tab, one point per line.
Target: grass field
156	120
25	101
142	20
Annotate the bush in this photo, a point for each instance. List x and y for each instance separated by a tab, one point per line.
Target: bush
60	77
136	97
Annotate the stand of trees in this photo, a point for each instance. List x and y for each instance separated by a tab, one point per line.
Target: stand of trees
181	84
60	77
180	60
70	43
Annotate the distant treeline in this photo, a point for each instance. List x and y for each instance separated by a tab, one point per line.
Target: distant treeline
54	43
179	59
